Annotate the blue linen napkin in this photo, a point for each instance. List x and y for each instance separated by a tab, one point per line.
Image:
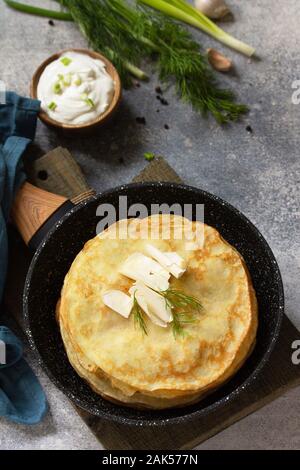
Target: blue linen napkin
22	399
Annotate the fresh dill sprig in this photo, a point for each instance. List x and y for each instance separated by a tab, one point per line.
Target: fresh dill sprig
179	321
183	309
138	316
127	34
179	299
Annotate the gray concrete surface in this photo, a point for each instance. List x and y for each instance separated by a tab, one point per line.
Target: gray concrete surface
259	173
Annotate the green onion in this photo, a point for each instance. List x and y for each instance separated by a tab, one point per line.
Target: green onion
66	61
90	102
149	156
87	100
57	88
135	71
57	15
78	81
67	79
183	11
52	106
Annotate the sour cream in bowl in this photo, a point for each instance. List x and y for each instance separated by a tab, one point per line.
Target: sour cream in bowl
77	89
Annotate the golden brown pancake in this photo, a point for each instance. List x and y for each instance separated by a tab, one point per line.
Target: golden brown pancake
158	370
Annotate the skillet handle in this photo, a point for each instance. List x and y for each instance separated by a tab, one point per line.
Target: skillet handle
35	210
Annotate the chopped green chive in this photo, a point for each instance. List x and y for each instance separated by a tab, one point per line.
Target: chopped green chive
57	88
52	106
67	79
149	156
66	61
87	100
78	81
60	76
90	102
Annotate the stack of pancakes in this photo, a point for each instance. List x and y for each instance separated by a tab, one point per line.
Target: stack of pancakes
157	370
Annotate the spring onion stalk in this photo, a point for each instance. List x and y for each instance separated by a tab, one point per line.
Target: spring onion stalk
182	11
57	15
129	66
135	71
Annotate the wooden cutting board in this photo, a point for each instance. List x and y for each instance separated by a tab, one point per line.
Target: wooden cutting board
58	172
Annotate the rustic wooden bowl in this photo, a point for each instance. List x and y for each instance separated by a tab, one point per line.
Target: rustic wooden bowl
100	119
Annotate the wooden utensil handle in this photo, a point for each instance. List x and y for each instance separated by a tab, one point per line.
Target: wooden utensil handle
32	208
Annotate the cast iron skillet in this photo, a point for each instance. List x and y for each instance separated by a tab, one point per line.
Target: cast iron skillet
55	254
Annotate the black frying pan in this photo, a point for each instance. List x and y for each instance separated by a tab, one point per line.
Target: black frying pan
66	238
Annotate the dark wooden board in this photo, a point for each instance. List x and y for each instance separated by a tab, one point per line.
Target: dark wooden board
278	376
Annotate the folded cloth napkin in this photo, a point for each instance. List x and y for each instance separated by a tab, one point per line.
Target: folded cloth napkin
22	399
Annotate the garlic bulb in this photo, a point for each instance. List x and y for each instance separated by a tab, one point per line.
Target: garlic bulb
214	9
